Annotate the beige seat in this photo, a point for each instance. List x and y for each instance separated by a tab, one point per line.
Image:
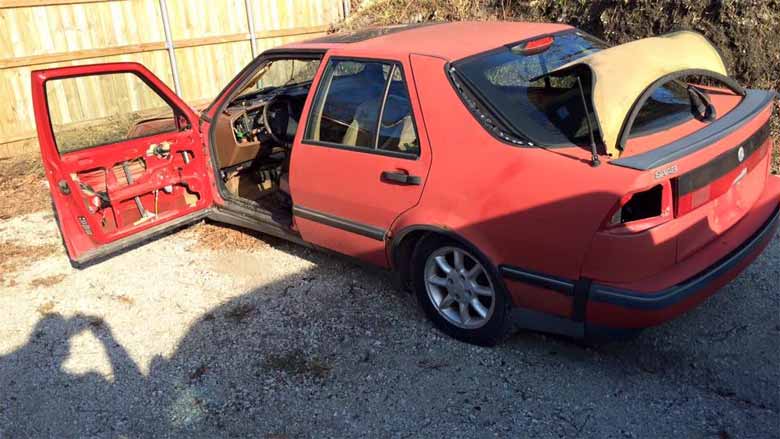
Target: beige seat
404	131
365	117
401	133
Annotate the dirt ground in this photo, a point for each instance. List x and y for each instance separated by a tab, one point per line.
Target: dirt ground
213	332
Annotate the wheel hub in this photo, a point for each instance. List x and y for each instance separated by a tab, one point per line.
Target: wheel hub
459	287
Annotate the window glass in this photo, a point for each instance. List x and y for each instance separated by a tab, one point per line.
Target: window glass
282	73
667	106
397	132
95	110
346	109
549	110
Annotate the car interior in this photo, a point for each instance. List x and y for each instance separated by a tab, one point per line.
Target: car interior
254	134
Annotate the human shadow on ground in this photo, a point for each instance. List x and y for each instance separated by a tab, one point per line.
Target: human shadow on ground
338	351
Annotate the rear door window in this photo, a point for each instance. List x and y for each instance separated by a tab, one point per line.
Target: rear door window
363	105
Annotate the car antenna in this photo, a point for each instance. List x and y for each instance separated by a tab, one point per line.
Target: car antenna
594	158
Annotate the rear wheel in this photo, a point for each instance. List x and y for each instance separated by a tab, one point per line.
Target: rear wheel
459	292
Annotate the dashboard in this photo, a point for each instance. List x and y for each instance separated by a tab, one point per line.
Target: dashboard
241	134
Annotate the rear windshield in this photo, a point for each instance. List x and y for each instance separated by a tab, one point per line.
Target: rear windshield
549	110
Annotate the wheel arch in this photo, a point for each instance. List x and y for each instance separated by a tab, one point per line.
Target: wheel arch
402	245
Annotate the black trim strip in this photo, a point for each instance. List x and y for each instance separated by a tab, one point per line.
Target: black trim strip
340	223
581	297
721	165
363	149
754	102
558	284
136	240
678	293
583	291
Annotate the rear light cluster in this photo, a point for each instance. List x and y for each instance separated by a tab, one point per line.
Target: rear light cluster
709	182
673	198
643	210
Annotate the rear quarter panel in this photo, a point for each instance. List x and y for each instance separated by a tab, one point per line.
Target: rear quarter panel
523	206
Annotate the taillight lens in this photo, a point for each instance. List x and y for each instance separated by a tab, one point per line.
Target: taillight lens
709	182
642	210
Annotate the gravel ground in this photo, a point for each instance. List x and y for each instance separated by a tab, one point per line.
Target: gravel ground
260	338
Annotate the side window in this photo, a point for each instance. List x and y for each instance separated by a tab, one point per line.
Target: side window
363	104
397	131
88	111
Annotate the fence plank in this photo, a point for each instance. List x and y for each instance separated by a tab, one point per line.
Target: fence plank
30	3
212	43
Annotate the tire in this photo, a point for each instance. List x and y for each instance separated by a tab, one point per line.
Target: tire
486	323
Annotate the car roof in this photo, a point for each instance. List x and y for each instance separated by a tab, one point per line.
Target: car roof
452	41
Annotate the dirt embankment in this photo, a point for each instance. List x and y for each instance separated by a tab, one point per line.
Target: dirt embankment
746	31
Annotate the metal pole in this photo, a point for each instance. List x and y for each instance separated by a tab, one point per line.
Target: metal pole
170	47
250	19
346	8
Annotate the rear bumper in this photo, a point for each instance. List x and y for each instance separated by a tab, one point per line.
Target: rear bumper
601	309
624	308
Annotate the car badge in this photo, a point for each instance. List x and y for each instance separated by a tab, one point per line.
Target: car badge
741	154
662	173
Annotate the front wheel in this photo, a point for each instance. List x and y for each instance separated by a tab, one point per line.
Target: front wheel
459	292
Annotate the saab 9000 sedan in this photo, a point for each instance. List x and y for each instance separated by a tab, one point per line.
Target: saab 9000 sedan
512	174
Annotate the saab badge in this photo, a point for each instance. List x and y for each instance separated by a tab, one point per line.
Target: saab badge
661	173
741	154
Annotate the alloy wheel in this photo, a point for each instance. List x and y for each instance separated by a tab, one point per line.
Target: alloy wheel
459	287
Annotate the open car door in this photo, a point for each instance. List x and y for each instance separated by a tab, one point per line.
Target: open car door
123	156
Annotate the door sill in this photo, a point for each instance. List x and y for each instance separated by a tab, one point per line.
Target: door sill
254	219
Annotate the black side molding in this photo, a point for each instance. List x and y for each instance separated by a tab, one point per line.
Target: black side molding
340	223
583	291
559	284
753	103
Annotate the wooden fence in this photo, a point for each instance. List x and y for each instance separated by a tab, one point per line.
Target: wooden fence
195	46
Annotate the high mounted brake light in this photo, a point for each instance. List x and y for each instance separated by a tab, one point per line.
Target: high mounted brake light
537	46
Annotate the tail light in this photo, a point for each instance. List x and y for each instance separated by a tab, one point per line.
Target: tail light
642	210
709	182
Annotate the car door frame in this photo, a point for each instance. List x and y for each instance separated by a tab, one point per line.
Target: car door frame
61	185
224	200
383	235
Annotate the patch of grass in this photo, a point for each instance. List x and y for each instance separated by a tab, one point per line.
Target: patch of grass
297	363
47	281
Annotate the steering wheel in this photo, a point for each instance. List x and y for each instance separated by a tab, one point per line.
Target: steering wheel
277	114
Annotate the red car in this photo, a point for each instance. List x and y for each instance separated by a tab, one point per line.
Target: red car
512	174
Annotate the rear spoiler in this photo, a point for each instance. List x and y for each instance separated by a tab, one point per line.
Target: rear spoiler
754	102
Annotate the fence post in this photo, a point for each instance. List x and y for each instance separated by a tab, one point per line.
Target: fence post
250	19
170	47
347	6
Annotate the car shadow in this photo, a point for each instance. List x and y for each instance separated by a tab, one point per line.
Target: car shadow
338	350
